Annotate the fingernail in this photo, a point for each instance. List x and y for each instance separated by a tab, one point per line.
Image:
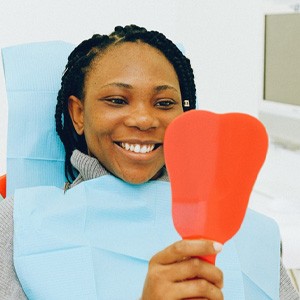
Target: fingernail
217	246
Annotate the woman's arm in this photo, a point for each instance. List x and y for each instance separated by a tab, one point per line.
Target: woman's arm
10	287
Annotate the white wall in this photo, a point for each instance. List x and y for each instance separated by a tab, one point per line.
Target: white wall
224	40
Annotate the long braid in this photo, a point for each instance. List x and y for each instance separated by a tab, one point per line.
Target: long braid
72	83
79	63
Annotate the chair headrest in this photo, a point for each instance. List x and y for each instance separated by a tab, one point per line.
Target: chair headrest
35	154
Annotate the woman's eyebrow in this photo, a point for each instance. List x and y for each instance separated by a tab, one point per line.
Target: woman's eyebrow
118	84
164	87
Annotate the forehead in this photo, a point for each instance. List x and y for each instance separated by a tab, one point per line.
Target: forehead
132	59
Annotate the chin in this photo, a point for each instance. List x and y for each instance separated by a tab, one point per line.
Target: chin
136	180
141	178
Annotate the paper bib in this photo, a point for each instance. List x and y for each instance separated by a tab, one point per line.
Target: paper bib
95	242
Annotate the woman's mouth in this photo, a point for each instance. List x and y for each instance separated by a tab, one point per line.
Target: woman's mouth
139	148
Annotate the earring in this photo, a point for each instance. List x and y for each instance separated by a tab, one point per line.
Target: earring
186	103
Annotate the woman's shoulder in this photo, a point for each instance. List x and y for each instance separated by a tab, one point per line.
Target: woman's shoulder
6	214
10	287
6	225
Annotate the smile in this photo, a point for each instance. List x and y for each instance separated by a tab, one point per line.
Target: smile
138	148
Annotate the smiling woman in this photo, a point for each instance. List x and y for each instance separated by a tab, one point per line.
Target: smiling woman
109	234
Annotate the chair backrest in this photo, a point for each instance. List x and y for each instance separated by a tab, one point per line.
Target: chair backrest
35	155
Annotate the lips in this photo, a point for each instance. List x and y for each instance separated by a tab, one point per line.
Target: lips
138	148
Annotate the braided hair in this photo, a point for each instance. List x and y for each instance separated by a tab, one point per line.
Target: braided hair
79	63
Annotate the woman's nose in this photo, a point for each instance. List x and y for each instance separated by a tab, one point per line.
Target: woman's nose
142	118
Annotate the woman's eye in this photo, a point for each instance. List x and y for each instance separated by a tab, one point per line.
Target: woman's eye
165	104
116	101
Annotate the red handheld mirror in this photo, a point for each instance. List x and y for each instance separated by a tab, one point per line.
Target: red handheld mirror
213	161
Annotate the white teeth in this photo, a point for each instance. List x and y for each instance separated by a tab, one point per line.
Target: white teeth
144	149
137	148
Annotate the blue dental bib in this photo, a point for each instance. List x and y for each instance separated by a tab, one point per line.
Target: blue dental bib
95	242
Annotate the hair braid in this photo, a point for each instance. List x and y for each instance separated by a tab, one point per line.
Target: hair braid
72	83
80	62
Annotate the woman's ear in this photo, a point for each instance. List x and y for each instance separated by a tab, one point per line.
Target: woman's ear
75	107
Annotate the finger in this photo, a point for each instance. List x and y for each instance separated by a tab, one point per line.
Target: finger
186	248
195	268
197	289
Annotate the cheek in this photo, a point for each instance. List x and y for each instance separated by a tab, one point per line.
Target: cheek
172	117
93	130
95	120
98	117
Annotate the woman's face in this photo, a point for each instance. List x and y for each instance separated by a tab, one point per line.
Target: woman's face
132	93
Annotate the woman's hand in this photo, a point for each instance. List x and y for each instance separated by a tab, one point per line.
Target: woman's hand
177	273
